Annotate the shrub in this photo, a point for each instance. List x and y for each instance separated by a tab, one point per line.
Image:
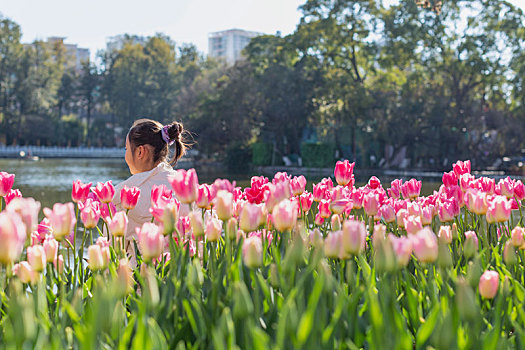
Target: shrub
317	155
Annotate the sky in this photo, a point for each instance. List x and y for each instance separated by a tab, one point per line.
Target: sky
90	23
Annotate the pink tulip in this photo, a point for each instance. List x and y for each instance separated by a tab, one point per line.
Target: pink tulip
412	224
411	189
25	273
450	179
118	224
505	187
519	190
213	229
332	244
371	203
425	245
335	223
252	252
12	194
257	192
467	181
324	208
95	258
413	209
277	193
105	211
319	220
488	284
388	213
104	191
160	196
252	216
90	213
185	185
306	201
445	234
448	209
517	236
12	237
62	219
486	185
50	248
316	238
224	205
320	192
27	209
471	235
197	226
340	205
353	237
150	241
499	209
357	197
129	197
44	229
476	202
36	256
284	215
461	168
343	172
6	183
402	248
427	214
395	188
80	191
374	183
203	196
298	185
400	217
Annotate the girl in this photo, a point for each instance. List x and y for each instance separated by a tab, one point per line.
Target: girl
147	150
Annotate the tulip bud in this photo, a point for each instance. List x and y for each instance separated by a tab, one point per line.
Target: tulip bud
95	258
444	255
224	205
316	238
274	276
332	244
213	229
425	245
445	234
124	277
151	242
336	223
471	244
455	231
196	224
466	300
36	257
59	264
118	225
353	237
517	236
488	284
509	254
26	273
50	248
231	228
252	253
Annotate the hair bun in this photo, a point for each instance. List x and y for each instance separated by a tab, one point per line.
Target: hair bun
175	130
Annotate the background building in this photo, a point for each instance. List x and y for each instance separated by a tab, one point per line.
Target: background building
75	54
228	44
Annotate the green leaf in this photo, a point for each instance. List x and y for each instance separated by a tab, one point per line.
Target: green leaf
425	330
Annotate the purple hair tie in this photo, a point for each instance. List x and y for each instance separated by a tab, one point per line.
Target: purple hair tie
165	135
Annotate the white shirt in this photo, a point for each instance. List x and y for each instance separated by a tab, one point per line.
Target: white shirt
144	181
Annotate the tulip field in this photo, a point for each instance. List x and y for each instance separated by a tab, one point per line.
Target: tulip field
270	266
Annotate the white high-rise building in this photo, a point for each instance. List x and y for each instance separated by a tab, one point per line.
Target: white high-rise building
76	55
228	44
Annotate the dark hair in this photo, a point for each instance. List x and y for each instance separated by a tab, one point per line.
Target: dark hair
148	132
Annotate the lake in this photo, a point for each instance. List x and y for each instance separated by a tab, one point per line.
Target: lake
50	180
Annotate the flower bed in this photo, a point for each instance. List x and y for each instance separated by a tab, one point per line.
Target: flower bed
265	267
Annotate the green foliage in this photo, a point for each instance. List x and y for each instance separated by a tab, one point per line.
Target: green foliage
317	155
261	153
238	158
